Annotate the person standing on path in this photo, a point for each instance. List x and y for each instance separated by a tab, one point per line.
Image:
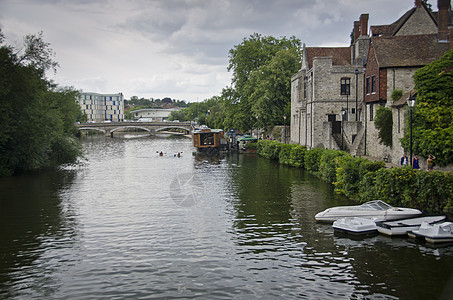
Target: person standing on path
415	164
430	162
404	160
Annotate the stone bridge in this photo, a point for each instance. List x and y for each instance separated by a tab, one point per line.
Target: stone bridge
108	128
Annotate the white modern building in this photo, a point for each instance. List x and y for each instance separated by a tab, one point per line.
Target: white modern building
102	107
152	114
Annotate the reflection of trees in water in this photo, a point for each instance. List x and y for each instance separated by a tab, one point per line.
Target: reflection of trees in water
33	215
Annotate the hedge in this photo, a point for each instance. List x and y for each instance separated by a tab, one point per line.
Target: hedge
362	180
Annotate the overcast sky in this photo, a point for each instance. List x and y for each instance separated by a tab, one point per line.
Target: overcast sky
175	48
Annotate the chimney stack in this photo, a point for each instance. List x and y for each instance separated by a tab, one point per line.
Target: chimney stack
443	19
364	24
418	3
356	30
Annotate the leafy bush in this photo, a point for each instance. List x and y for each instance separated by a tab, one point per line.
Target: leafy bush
297	156
363	180
328	165
251	146
269	149
350	171
428	191
285	154
312	160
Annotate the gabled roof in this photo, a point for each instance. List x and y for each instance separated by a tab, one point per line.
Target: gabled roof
392	29
341	56
407	51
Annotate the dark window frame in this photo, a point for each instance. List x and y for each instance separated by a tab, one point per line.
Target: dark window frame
345	86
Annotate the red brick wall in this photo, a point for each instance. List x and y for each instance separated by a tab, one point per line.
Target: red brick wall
372	68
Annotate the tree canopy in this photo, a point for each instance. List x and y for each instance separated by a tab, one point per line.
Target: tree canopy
260	91
260	94
37	118
433	114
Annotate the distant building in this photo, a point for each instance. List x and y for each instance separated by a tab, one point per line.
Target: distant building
152	114
102	107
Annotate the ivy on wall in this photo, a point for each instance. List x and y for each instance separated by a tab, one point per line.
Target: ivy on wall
384	124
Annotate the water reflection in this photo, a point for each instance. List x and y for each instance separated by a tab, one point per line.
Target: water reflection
33	217
120	226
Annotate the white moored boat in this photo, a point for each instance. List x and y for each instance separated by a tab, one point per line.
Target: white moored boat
436	233
377	209
355	226
402	227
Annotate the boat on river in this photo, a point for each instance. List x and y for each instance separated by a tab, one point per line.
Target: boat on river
355	226
435	233
402	227
209	141
377	209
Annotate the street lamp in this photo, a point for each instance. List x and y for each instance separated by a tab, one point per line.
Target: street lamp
284	128
356	92
411	104
342	119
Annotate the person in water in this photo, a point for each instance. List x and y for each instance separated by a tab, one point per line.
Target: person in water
415	162
161	153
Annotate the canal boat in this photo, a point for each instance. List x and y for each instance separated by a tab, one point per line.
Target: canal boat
355	226
208	140
402	227
244	140
435	233
377	209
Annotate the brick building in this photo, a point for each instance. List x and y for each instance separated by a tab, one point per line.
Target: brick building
325	90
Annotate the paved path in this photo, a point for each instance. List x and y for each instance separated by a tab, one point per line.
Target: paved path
387	164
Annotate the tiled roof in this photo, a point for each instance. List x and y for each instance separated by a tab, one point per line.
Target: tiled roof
403	99
340	56
407	51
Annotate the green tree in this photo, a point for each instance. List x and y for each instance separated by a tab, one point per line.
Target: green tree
271	98
432	120
258	65
37	118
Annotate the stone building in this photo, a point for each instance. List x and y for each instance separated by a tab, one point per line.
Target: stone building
328	90
397	50
102	107
334	96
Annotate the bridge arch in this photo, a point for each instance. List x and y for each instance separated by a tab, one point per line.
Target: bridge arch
92	128
172	127
137	127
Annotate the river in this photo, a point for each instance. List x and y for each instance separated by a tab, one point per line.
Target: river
129	223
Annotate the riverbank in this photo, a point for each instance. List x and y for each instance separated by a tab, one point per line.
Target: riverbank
361	179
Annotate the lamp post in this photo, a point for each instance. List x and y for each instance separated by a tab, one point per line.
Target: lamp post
356	72
342	112
411	104
284	128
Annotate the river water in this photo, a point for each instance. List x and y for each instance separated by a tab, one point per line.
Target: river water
129	223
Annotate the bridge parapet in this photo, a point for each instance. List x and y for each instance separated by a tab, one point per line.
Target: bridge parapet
109	127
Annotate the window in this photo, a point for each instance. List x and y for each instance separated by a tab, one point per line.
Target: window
345	87
368	85
373	84
371	112
305	87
